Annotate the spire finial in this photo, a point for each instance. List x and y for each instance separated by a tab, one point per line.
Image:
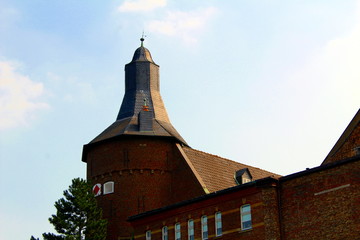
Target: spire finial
142	39
145	106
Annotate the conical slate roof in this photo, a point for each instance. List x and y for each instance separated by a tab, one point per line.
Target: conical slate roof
142	111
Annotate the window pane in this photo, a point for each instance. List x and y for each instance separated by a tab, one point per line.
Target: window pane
177	231
165	233
245	208
218	224
204	227
148	235
247	225
108	187
246	217
191	229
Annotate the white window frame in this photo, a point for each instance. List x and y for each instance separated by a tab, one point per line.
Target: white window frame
243	214
204	228
165	235
218	231
177	229
106	186
191	230
148	235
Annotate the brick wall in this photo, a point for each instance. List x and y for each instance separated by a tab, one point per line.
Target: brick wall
347	148
260	200
322	205
148	173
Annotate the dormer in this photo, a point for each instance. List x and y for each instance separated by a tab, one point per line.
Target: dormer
243	176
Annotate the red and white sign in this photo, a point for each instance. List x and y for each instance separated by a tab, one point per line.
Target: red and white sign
97	189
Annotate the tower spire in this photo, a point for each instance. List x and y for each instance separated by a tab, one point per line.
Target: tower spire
142	39
142	111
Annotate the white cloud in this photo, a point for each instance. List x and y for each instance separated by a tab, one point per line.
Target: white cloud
18	97
186	25
141	5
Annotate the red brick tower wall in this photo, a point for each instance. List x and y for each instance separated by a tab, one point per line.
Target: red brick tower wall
146	172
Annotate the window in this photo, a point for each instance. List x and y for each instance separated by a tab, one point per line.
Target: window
108	187
218	224
191	230
165	233
204	227
245	180
148	235
177	231
245	217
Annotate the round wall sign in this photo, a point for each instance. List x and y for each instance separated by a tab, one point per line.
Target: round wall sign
97	189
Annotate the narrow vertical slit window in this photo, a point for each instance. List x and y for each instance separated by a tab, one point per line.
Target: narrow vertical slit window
191	234
245	212
177	231
204	228
165	233
148	235
218	224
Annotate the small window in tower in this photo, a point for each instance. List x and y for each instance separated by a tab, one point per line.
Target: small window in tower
165	233
148	235
177	231
108	187
245	214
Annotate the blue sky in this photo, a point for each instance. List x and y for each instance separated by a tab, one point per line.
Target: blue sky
271	84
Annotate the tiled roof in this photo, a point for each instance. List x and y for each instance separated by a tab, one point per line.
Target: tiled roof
217	173
130	126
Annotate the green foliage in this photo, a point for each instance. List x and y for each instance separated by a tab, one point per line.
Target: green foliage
77	215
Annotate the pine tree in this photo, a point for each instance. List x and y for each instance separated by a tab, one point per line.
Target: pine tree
77	215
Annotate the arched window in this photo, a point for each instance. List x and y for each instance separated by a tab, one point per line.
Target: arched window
245	213
191	235
177	231
204	228
165	233
108	187
218	224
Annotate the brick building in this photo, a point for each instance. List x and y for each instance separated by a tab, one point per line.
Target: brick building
152	185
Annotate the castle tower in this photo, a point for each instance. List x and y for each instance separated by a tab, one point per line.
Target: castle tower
137	163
